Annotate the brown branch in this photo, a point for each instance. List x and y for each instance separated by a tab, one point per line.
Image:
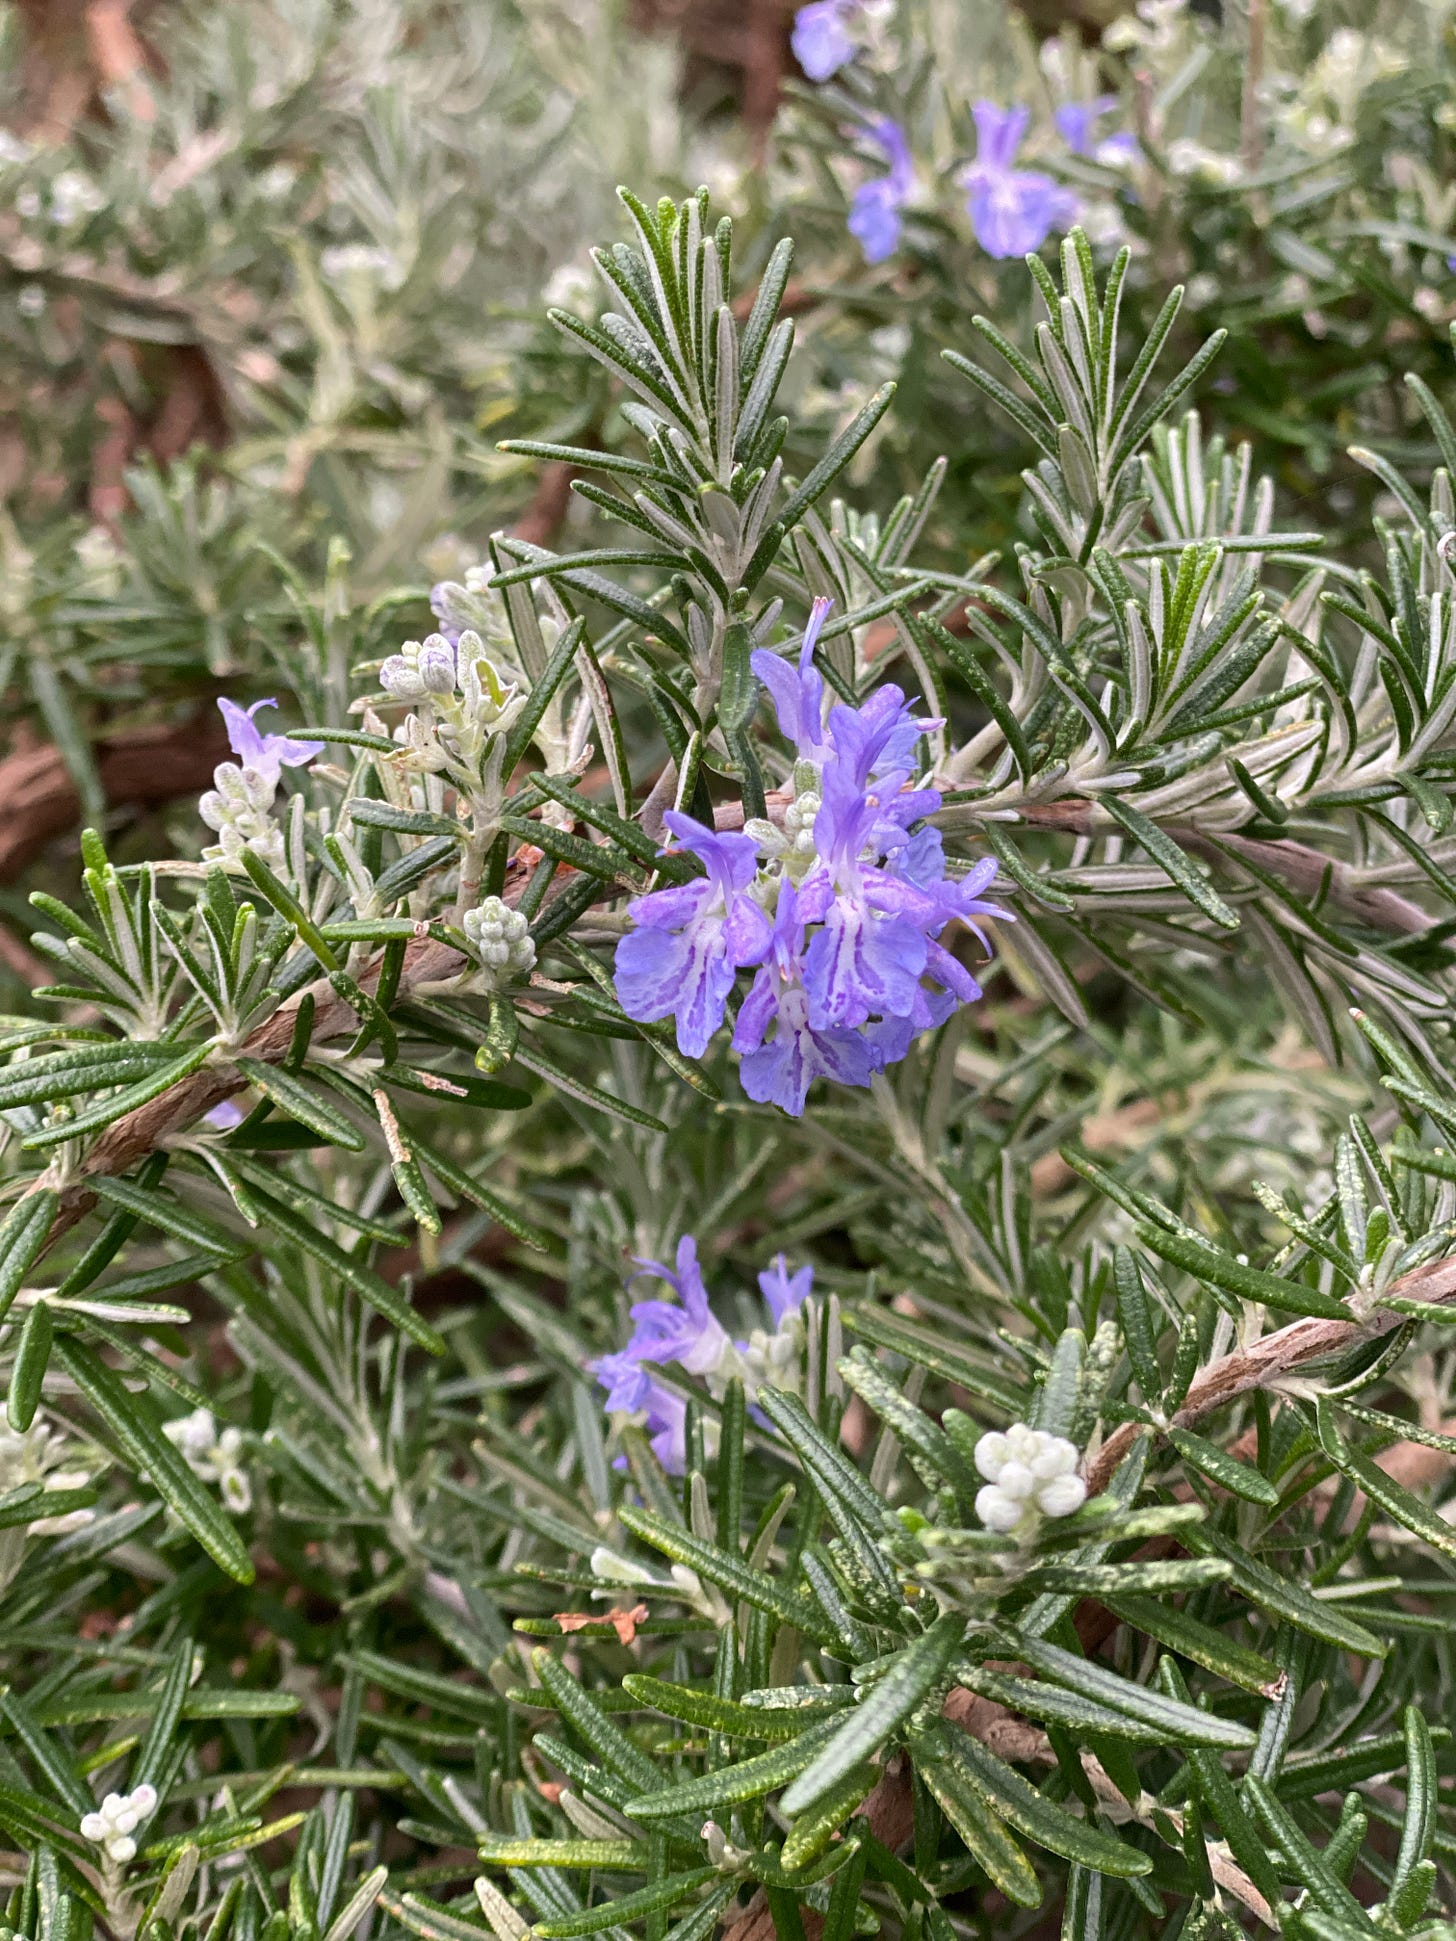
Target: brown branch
543	517
128	1140
39	802
1307	871
118	56
1276	1357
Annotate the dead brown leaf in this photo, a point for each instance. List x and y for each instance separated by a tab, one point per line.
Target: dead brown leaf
624	1623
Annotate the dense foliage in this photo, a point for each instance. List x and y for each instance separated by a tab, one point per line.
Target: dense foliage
751	1229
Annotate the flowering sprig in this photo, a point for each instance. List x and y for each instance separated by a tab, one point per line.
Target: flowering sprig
850	969
465	687
461	699
688	1332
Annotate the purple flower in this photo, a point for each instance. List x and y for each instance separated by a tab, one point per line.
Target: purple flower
680	960
224	1116
662	1331
688	1333
780	1071
667	1425
798	698
1076	120
267	754
1012	210
1077	124
869	954
879	737
625	1380
785	1293
821	40
874	215
632	1391
883	896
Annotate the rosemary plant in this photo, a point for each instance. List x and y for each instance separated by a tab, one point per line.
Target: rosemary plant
755	1238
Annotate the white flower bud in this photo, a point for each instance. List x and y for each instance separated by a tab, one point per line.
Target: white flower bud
1061	1496
997	1510
435	667
1056	1457
1016	1481
500	937
1027	1470
400	676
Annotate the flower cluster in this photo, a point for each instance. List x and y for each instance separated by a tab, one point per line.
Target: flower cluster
499	936
689	1333
238	805
1012	210
120	1814
1027	1472
215	1458
840	912
475	621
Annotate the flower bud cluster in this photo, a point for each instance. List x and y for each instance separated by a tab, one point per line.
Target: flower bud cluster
461	698
420	667
474	607
1027	1472
215	1458
237	806
112	1826
500	938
